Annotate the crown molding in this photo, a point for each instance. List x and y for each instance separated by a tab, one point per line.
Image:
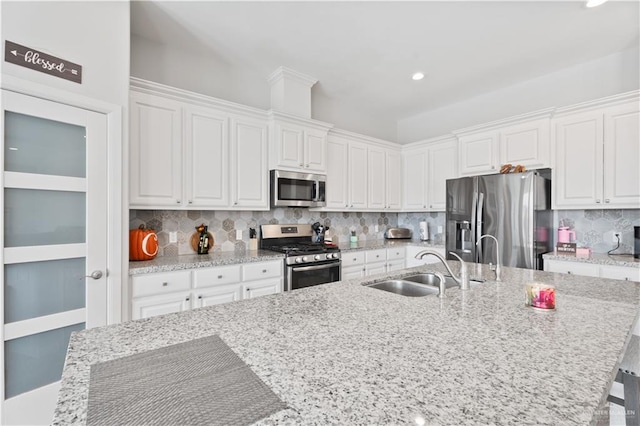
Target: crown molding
431	141
608	101
275	115
150	87
363	138
287	73
516	119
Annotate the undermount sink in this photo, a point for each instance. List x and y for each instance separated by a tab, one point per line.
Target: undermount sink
432	279
405	288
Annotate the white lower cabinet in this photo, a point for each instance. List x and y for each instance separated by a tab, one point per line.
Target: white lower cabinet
363	263
593	270
168	292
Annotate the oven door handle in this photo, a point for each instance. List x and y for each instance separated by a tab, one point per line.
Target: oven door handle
316	267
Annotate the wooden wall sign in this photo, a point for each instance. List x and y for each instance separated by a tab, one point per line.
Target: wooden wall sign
43	62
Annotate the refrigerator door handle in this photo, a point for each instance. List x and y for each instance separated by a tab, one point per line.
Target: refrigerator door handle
479	227
474	224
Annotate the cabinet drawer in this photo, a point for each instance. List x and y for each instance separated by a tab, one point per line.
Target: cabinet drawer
257	271
167	282
375	255
620	273
214	276
351	258
572	268
396	253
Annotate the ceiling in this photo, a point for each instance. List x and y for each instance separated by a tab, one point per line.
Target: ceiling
364	53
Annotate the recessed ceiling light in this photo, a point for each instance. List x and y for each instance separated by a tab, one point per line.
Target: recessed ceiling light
418	76
594	3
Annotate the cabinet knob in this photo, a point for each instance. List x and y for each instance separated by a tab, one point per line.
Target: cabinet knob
493	167
264	271
424	206
606	200
248	289
187	299
351	205
178	201
190	202
235	203
346	205
431	206
219	276
569	272
597	201
164	284
200	297
301	165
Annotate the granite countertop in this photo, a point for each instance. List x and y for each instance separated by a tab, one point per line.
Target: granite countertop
598	259
343	353
218	258
193	261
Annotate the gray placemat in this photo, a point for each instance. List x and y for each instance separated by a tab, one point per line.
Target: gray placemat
201	382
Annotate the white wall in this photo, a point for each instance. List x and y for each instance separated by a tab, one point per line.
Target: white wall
202	72
93	34
609	75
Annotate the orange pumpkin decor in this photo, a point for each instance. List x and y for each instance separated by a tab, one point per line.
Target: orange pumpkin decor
143	244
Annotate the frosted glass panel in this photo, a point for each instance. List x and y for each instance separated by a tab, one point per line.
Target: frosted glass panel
36	289
36	360
38	145
35	218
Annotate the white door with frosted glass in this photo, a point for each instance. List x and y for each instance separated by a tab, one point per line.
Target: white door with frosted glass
54	252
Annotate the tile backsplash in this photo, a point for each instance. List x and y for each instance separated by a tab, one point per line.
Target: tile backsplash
595	228
223	225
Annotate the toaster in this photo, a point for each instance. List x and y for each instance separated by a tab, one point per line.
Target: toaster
398	233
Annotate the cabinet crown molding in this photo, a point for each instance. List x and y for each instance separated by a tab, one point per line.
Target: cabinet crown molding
275	115
284	72
363	138
153	88
429	142
516	119
609	101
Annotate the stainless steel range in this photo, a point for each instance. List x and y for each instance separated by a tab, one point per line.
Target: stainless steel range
307	263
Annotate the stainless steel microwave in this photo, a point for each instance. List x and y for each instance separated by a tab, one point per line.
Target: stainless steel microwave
295	189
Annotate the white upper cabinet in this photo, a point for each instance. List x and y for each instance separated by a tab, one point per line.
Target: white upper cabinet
298	144
358	182
206	164
155	154
520	140
426	169
193	152
393	175
596	158
337	189
249	174
377	179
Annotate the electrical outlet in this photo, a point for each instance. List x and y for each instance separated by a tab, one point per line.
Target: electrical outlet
440	229
238	234
375	228
173	237
617	235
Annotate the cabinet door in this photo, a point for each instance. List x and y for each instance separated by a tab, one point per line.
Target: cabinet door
155	151
249	164
574	268
622	156
218	295
357	176
375	268
315	151
376	182
337	192
414	167
442	165
577	175
156	284
393	176
478	154
289	141
206	158
351	272
526	144
252	289
147	307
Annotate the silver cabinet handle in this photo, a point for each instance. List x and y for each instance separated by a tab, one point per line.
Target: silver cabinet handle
164	284
493	167
346	205
264	271
219	276
178	201
301	165
187	299
96	275
431	206
569	272
200	297
190	202
235	203
351	205
598	201
248	289
606	200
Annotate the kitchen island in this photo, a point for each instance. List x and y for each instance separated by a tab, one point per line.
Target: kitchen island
343	353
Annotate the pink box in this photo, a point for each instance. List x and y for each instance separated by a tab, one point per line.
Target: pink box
583	252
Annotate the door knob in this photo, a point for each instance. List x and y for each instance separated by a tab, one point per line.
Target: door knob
96	275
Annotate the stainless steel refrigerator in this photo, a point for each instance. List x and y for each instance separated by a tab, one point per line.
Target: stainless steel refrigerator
515	208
